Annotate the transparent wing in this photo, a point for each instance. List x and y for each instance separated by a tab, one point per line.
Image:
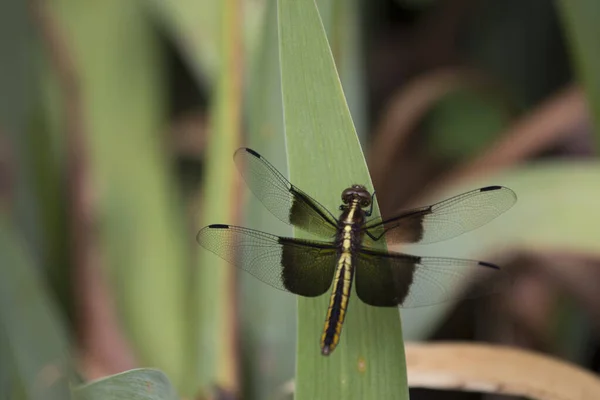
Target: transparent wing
303	267
446	219
284	200
395	279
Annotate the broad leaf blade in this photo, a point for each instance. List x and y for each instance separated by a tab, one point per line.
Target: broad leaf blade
324	158
137	384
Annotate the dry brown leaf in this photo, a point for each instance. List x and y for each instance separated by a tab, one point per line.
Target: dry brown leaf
497	369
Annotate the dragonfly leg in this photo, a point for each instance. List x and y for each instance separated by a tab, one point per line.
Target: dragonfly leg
368	213
373	237
376	237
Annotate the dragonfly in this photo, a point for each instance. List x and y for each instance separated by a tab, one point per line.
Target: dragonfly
348	252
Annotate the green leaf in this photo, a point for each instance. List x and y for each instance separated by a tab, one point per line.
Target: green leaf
214	351
194	26
324	158
33	340
137	384
268	330
143	239
268	316
15	76
580	18
555	209
343	22
465	121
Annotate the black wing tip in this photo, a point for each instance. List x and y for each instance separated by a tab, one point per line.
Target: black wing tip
219	226
491	188
201	235
506	191
488	265
246	150
497	187
249	150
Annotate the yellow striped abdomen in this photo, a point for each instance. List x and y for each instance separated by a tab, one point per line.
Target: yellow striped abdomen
338	302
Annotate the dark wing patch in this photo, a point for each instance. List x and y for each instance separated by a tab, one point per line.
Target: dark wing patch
446	219
302	267
284	200
395	279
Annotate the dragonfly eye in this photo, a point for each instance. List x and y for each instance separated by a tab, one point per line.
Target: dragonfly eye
365	199
347	195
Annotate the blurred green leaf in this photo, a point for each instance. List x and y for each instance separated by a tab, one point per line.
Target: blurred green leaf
16	84
555	209
46	148
195	27
346	42
580	18
215	363
137	384
464	122
268	316
15	71
33	340
144	242
324	158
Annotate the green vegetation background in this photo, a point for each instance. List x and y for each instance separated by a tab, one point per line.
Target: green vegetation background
174	304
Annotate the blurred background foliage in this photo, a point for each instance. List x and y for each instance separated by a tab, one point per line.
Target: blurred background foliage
113	113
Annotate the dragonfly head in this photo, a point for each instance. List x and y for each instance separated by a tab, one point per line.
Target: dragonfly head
357	193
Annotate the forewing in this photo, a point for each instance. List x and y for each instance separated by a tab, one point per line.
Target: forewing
284	200
446	219
302	267
395	279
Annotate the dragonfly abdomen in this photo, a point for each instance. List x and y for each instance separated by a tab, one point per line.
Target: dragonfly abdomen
338	304
348	239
